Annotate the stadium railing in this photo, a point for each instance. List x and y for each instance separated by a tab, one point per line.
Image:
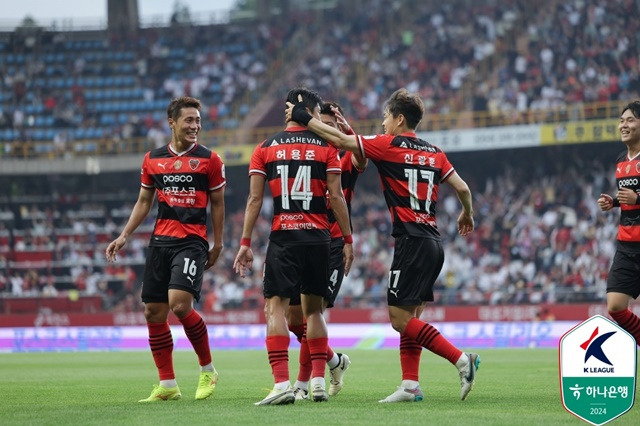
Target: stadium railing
225	137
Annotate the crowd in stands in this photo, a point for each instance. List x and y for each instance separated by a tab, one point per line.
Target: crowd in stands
505	58
56	87
539	238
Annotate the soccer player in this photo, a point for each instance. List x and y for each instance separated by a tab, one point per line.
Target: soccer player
623	283
352	165
185	177
410	170
300	168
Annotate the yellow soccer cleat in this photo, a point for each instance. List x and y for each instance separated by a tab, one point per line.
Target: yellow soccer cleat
206	384
160	393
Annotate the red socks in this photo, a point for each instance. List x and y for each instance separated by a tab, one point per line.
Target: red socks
318	352
410	352
278	352
196	331
427	336
161	344
629	321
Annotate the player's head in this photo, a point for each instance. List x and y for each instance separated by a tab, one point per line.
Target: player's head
327	116
403	111
310	99
183	114
629	125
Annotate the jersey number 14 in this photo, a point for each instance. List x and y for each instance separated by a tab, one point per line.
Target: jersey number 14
300	189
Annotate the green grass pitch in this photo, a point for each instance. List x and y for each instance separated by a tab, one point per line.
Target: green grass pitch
513	387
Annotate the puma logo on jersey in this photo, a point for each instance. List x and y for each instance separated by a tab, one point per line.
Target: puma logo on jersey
162	165
191	279
394	292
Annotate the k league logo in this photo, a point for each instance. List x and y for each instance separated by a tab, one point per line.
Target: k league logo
597	370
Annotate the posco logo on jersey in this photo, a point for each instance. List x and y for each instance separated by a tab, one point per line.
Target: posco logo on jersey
176	178
291	217
626	183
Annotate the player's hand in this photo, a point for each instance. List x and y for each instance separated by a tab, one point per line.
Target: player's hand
465	223
287	112
347	257
112	249
343	125
627	196
244	261
605	202
212	256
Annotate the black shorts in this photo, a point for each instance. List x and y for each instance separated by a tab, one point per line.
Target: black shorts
293	269
336	273
173	268
624	275
417	262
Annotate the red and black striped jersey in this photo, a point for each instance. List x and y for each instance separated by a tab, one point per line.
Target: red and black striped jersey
182	182
410	172
628	176
295	163
348	180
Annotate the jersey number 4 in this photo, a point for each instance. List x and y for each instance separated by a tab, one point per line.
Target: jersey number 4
300	189
412	183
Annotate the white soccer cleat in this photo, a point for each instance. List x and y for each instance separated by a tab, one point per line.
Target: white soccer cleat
468	374
405	395
337	374
318	394
301	394
278	397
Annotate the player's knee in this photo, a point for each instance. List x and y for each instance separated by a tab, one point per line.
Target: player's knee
398	323
181	309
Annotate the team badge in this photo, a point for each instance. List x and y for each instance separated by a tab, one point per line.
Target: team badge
178	164
627	169
638	167
195	163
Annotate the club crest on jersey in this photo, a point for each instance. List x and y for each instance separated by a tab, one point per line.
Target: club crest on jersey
194	164
627	169
177	165
638	167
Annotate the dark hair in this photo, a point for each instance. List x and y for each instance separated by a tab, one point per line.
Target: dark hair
408	104
634	107
310	99
326	108
175	106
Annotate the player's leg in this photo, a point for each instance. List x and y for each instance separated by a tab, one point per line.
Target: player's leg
317	340
313	291
623	285
156	311
297	326
185	285
410	352
277	343
410	286
281	277
338	363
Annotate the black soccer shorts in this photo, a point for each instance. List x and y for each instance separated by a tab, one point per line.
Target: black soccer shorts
417	262
624	275
179	268
294	269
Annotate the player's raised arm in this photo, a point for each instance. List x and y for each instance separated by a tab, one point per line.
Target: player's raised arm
334	136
